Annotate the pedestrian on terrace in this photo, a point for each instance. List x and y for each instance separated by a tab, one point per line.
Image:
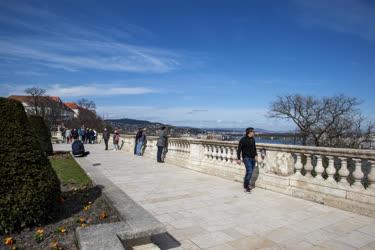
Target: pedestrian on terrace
247	148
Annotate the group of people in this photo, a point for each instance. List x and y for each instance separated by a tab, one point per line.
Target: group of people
246	148
116	139
86	135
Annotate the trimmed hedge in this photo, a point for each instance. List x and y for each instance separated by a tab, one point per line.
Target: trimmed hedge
43	133
29	187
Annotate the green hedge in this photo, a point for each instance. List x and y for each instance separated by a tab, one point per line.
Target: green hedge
43	133
29	186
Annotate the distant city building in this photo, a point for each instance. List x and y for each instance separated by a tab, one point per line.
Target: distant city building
73	106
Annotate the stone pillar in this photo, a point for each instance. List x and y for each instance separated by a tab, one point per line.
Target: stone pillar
308	167
319	169
344	172
358	174
331	170
298	166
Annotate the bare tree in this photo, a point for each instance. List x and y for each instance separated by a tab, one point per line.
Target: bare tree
36	94
328	121
87	104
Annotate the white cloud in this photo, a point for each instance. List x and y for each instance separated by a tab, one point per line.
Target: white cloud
79	90
96	90
61	43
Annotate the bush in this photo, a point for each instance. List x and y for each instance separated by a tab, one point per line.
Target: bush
43	133
29	187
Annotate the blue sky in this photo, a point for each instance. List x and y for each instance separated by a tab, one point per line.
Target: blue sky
194	63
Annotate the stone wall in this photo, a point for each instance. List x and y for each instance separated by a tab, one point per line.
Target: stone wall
342	178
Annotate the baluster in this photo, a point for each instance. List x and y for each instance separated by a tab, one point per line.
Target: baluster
331	170
371	175
319	169
358	174
229	155
308	167
344	172
298	166
206	157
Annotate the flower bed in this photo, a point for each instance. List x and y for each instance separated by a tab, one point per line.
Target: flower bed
81	205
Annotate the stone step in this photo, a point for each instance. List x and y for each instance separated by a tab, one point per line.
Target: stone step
150	246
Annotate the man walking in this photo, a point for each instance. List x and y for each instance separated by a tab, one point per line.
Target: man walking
106	137
248	149
162	143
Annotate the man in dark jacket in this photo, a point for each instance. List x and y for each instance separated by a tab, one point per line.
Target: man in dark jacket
106	136
248	149
162	144
78	149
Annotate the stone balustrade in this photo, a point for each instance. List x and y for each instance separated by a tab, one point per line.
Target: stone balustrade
342	178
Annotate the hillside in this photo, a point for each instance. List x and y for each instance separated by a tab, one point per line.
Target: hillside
131	126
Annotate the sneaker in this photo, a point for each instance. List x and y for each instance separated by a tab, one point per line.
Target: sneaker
247	190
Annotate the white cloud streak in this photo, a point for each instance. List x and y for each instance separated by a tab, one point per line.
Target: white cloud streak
80	90
60	43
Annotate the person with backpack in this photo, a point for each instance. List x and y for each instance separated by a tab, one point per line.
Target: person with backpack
247	148
116	140
78	150
106	136
162	144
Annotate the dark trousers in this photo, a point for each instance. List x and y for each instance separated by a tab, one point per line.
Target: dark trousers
135	147
82	154
106	144
160	152
249	165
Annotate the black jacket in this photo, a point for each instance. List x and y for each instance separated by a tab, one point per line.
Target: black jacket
106	135
247	147
78	148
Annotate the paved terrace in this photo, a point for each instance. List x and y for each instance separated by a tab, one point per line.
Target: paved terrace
207	212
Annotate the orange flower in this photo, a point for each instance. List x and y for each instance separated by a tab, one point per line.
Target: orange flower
40	231
81	220
103	215
8	241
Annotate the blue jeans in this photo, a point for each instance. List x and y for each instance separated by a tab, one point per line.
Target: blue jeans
139	148
249	165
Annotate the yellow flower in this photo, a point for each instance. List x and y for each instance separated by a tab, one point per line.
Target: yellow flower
83	225
40	231
8	241
61	230
55	245
86	208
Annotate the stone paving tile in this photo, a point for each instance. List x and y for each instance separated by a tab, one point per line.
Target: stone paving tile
253	242
370	246
221	247
201	207
356	239
333	245
368	229
211	239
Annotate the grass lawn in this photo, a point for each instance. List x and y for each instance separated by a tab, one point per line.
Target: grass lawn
68	171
